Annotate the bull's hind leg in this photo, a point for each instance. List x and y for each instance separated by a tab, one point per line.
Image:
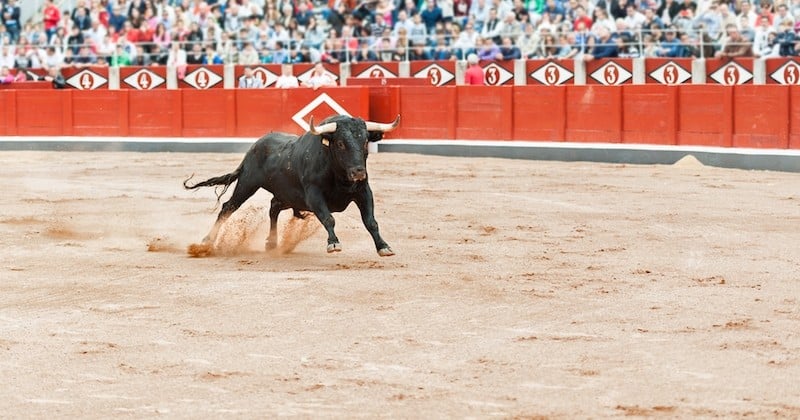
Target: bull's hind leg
241	193
275	209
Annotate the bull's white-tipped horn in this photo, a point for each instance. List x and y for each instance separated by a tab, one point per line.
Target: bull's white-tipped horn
324	128
374	126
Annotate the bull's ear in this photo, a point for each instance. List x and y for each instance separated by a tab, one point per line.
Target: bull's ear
374	136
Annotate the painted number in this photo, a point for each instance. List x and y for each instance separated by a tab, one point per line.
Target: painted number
551	74
435	76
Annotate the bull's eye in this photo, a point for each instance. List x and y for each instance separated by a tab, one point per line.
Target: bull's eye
340	145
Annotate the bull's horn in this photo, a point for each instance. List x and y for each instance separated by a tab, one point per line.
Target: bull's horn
323	129
373	126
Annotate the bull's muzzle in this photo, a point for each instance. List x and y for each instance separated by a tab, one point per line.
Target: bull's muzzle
357	174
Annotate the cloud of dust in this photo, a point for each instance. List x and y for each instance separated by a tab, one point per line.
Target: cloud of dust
296	231
246	232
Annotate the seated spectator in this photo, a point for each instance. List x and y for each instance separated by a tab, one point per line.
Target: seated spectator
51	58
442	51
121	57
509	51
6	77
195	56
319	78
177	58
385	50
671	46
280	55
488	50
85	57
55	77
211	56
249	80
142	57
75	40
418	53
735	45
249	56
786	39
365	54
604	46
287	79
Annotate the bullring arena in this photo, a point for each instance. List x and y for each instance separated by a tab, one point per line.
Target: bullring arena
520	289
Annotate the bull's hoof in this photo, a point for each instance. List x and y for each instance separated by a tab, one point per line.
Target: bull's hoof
270	245
335	247
385	252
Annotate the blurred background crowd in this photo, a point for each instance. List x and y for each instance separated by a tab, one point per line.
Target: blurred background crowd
51	33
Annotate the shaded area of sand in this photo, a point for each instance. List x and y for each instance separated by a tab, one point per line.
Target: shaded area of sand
518	289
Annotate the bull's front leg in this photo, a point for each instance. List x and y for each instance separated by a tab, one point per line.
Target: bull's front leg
366	205
316	203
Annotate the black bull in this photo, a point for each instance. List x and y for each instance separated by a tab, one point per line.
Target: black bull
322	171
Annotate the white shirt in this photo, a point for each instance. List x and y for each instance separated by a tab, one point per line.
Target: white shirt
286	82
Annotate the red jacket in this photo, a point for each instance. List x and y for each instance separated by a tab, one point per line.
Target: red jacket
474	76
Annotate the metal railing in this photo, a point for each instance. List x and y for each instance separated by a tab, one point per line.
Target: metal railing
233	51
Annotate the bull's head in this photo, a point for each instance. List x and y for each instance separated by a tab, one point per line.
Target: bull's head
348	138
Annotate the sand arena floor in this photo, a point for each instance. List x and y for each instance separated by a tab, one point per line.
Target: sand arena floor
519	288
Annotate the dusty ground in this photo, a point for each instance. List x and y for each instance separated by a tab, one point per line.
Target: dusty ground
519	288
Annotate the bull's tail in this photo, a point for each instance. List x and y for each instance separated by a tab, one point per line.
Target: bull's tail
224	180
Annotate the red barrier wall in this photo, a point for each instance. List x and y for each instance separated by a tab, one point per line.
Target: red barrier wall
759	116
705	115
483	112
594	113
649	114
539	112
794	117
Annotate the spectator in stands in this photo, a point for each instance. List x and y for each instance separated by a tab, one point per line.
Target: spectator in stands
430	16
418	33
509	27
54	76
781	16
52	17
287	78
418	52
211	57
509	51
385	50
527	42
10	18
442	51
735	45
461	11
280	55
121	57
195	56
6	77
142	57
668	9
492	27
474	74
177	58
786	39
249	80
315	34
467	40
365	54
488	49
248	56
52	58
604	46
85	57
75	40
319	78
81	19
671	46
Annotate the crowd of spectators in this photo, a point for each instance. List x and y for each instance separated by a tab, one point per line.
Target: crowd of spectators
249	32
